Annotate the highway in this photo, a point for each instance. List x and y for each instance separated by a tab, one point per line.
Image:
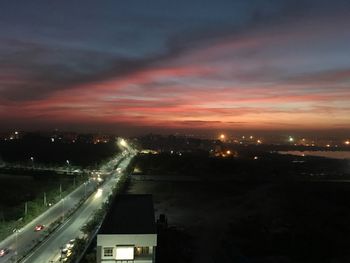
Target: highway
24	239
49	251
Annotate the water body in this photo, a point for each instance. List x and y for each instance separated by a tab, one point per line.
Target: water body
327	154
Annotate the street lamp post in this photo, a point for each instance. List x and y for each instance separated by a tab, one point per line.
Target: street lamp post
68	163
25	208
62	209
16	231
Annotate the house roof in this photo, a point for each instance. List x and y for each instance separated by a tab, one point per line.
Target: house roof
130	214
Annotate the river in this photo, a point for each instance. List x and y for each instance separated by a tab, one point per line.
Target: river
327	154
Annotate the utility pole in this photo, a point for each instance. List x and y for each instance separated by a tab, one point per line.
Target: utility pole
63	209
60	191
45	199
25	208
16	231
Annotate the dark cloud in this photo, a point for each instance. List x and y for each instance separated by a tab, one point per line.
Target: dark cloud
37	69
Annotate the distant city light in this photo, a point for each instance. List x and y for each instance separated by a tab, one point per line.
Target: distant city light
52	139
291	139
228	152
251	137
222	136
347	142
256	157
16	132
259	141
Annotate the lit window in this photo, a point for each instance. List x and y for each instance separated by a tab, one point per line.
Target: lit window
125	252
108	252
141	251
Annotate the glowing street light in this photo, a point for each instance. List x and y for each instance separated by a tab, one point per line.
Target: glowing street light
123	143
291	139
98	193
347	142
222	136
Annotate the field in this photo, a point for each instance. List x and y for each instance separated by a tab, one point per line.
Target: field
16	190
236	220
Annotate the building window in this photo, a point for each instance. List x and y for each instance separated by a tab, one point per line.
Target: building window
108	252
125	252
139	251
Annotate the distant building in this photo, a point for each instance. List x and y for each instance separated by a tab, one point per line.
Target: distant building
128	233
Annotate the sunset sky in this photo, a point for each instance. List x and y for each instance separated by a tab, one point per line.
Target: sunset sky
175	65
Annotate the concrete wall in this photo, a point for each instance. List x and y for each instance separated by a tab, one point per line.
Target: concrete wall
145	240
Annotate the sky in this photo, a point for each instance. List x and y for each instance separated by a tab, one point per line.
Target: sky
164	65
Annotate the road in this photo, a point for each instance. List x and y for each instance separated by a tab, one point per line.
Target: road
24	239
49	251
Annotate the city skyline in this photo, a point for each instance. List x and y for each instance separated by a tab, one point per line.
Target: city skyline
166	66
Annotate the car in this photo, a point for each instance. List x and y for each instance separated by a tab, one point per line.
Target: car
70	244
65	254
4	251
39	228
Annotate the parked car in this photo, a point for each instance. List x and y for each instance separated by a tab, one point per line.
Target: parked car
70	244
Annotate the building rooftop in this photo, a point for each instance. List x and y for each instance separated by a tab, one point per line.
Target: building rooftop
130	214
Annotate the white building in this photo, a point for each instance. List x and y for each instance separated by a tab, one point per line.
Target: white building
128	233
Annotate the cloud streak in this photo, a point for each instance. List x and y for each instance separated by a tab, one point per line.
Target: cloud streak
265	73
